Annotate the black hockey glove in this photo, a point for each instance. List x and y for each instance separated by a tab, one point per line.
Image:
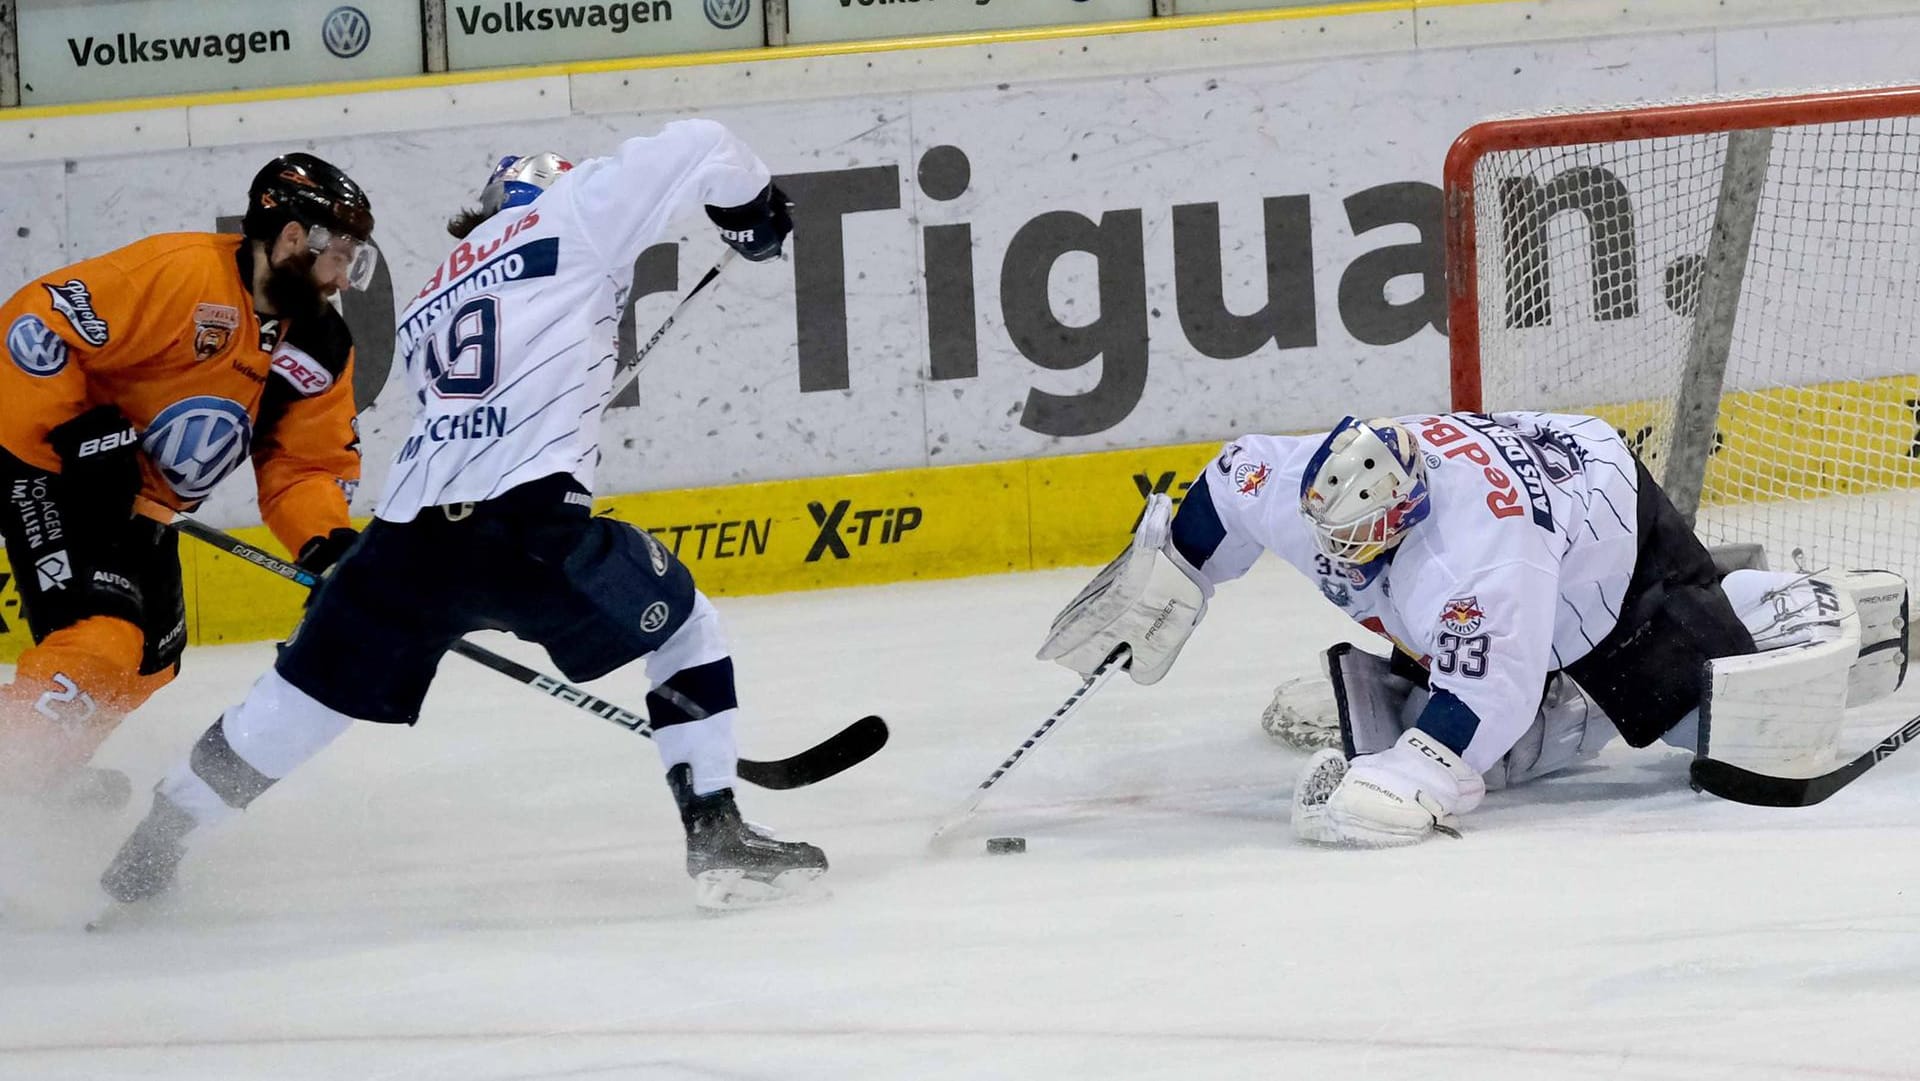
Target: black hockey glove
319	554
757	229
100	466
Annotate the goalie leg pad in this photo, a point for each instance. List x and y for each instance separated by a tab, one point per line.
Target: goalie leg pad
1303	714
1784	609
1885	646
1148	599
1375	705
1780	711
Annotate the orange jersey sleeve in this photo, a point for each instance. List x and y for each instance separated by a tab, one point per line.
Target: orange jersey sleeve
58	328
306	457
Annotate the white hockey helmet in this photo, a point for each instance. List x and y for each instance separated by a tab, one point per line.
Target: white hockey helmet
1363	489
519	180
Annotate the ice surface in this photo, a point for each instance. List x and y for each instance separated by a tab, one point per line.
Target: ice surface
498	894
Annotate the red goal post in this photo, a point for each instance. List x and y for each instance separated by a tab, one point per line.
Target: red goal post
1735	284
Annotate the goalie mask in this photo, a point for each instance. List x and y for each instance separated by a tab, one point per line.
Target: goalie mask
1363	489
519	180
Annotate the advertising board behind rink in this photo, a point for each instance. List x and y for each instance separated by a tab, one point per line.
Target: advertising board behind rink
91	51
849	20
994	274
497	33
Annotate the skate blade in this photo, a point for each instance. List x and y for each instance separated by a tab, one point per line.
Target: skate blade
735	890
113	915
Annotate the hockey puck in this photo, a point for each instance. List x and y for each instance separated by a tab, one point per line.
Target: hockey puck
1000	846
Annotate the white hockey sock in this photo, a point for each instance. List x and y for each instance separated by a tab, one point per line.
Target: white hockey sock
704	743
275	729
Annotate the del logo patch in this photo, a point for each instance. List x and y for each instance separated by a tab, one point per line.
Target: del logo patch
1250	477
298	367
1463	615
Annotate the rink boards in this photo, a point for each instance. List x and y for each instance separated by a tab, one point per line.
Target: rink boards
993	517
860	529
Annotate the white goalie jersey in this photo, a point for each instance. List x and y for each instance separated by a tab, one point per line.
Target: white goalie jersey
1519	569
509	349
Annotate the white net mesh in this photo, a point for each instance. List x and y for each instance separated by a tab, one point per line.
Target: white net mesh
1589	270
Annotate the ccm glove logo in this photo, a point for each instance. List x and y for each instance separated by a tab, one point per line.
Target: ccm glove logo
111	441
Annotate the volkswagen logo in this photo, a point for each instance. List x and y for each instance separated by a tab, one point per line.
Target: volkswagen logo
727	14
197	441
346	32
35	347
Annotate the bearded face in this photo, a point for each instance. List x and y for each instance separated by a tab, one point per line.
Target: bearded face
292	288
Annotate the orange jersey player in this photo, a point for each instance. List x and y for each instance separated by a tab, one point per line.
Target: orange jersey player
155	370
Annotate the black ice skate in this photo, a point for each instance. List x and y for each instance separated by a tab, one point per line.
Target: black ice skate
147	861
734	865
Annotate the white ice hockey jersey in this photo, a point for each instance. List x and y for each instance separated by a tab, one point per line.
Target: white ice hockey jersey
509	349
1519	568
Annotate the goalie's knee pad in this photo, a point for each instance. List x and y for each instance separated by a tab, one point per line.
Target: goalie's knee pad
1568	729
1148	599
1376	705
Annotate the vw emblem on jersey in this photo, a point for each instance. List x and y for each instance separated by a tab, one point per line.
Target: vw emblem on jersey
196	441
346	32
35	347
727	14
654	618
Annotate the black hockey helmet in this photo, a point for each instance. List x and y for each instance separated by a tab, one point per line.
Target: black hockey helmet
302	188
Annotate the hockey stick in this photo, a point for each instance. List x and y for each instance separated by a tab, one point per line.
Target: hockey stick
850	746
631	372
1730	782
1116	661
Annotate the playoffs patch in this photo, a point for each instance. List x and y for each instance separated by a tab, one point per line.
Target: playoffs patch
73	301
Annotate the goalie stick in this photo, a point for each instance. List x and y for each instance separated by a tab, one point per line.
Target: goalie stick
1116	661
1730	782
850	746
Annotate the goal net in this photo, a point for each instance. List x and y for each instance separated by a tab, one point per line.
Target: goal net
1734	285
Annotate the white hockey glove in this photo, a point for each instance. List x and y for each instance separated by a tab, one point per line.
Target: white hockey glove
1396	797
1147	598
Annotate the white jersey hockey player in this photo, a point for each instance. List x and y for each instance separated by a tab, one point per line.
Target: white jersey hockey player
1513	560
485	522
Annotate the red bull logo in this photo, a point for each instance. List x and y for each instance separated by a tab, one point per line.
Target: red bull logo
1250	477
1463	615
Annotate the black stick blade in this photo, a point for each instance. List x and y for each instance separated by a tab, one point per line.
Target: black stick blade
1730	782
848	747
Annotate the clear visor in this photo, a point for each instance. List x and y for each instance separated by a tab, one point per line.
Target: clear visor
338	255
